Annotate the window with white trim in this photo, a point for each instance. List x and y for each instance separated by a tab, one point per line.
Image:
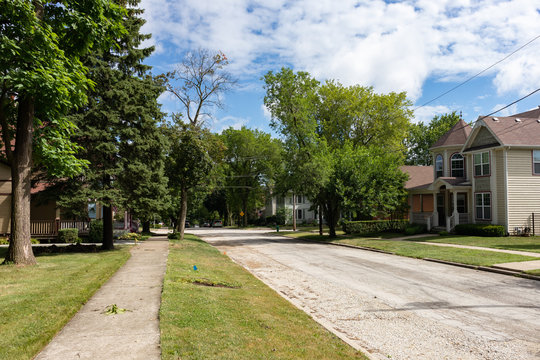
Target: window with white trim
439	166
483	206
481	164
300	214
456	165
536	162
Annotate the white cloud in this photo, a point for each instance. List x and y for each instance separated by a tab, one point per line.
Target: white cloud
426	113
390	46
511	110
226	122
266	112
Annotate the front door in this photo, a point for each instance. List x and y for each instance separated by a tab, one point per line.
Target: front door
441	209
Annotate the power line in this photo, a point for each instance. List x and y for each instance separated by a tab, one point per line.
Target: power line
478	74
512	103
496	111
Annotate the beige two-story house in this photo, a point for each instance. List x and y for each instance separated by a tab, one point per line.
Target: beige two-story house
488	173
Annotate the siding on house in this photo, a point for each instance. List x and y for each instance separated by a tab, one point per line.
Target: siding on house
483	138
46	211
500	188
5	198
523	190
469	167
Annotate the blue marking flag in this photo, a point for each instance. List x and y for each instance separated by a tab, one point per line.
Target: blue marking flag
195	267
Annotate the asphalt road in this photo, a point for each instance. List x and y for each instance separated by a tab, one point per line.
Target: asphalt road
390	306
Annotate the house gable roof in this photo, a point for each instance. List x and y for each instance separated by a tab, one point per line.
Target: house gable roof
515	130
419	176
457	135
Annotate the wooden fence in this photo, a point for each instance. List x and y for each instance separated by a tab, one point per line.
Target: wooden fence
49	228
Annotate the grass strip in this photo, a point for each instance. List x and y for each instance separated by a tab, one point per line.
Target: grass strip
421	251
37	301
221	311
517	243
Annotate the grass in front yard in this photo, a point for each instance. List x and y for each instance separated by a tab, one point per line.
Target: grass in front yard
534	272
36	302
421	251
221	311
519	243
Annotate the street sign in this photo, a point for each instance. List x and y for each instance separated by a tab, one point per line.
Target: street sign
241	213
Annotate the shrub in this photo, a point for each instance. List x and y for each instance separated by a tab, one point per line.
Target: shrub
95	235
174	236
4	241
69	235
130	236
283	215
444	233
156	226
414	229
118	233
480	230
374	226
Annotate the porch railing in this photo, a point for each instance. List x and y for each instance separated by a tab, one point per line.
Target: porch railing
45	228
452	221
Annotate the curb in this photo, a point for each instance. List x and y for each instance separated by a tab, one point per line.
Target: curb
492	269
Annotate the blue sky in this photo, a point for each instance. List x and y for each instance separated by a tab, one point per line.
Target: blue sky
423	47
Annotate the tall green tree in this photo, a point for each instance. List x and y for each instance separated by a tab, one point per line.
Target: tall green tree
192	163
198	83
325	126
251	159
291	99
421	137
41	79
119	131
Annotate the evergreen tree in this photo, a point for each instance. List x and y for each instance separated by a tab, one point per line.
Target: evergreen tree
119	129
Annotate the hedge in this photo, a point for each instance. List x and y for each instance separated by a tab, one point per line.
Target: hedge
95	234
69	235
480	230
414	229
374	226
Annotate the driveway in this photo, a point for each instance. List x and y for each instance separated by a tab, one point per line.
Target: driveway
391	306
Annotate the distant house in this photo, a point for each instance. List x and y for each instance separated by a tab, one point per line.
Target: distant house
488	174
304	214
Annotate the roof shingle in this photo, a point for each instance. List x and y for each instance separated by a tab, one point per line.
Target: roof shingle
457	135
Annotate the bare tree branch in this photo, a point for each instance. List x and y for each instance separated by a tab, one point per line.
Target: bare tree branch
198	81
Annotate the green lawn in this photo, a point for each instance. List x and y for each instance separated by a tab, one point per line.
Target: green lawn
421	251
221	311
519	243
36	302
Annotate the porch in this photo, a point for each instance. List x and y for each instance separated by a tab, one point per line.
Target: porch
48	229
444	207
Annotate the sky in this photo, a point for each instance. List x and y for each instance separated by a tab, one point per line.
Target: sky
423	47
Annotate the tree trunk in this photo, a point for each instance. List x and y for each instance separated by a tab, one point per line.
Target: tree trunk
20	247
108	243
331	212
244	218
183	211
146	226
293	212
320	221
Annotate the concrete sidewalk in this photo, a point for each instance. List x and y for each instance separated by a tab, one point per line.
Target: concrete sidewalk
133	334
